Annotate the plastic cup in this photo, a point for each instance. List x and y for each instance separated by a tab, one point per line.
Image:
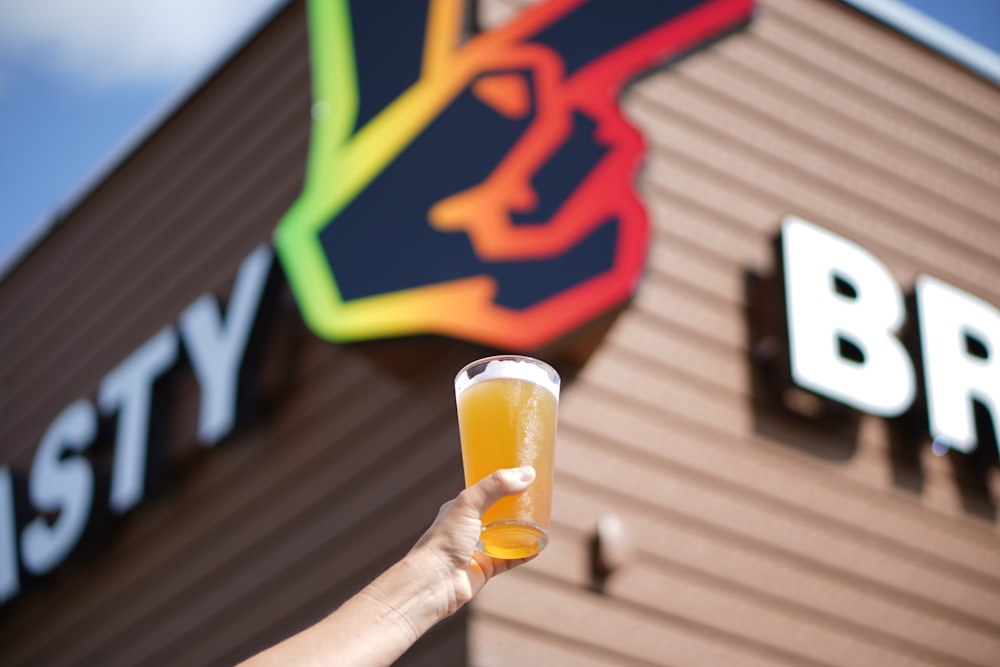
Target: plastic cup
507	411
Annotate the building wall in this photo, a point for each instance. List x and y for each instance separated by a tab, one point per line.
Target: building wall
348	458
759	535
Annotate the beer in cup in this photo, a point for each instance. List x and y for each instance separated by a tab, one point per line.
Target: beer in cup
507	410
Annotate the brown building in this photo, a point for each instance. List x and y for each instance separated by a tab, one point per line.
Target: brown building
765	525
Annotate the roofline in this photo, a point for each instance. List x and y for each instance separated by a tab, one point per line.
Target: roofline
934	34
37	232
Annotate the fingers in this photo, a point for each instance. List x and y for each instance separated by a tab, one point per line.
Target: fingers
508	481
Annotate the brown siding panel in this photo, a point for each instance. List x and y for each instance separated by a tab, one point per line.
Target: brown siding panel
752	530
272	528
760	536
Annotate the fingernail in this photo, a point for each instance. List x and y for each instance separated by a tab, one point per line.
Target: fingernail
525	474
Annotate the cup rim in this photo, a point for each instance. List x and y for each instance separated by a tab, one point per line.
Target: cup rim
554	378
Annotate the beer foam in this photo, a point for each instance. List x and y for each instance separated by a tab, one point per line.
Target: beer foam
509	368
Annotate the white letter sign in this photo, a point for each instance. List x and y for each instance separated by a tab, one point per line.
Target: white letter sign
949	318
63	484
128	389
216	347
820	317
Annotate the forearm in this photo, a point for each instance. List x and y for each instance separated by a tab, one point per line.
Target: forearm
377	625
440	574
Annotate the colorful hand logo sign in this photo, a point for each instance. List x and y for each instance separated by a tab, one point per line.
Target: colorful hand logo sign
482	186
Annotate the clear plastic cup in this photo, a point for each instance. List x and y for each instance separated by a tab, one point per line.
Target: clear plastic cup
507	411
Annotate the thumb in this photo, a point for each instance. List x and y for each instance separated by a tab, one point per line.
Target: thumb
504	482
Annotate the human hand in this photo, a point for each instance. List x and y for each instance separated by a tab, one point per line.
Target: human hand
449	545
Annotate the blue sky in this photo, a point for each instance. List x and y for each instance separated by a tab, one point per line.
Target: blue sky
79	81
976	19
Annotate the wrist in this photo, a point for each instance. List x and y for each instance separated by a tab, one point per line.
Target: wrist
437	581
414	594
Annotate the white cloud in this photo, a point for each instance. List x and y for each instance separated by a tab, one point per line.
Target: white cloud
108	42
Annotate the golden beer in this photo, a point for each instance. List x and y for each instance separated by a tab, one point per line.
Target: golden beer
507	410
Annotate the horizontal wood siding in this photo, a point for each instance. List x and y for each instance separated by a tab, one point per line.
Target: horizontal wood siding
346	462
760	536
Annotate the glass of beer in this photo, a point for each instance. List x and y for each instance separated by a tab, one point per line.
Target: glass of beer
507	409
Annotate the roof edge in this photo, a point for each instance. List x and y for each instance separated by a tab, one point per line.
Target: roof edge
932	33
